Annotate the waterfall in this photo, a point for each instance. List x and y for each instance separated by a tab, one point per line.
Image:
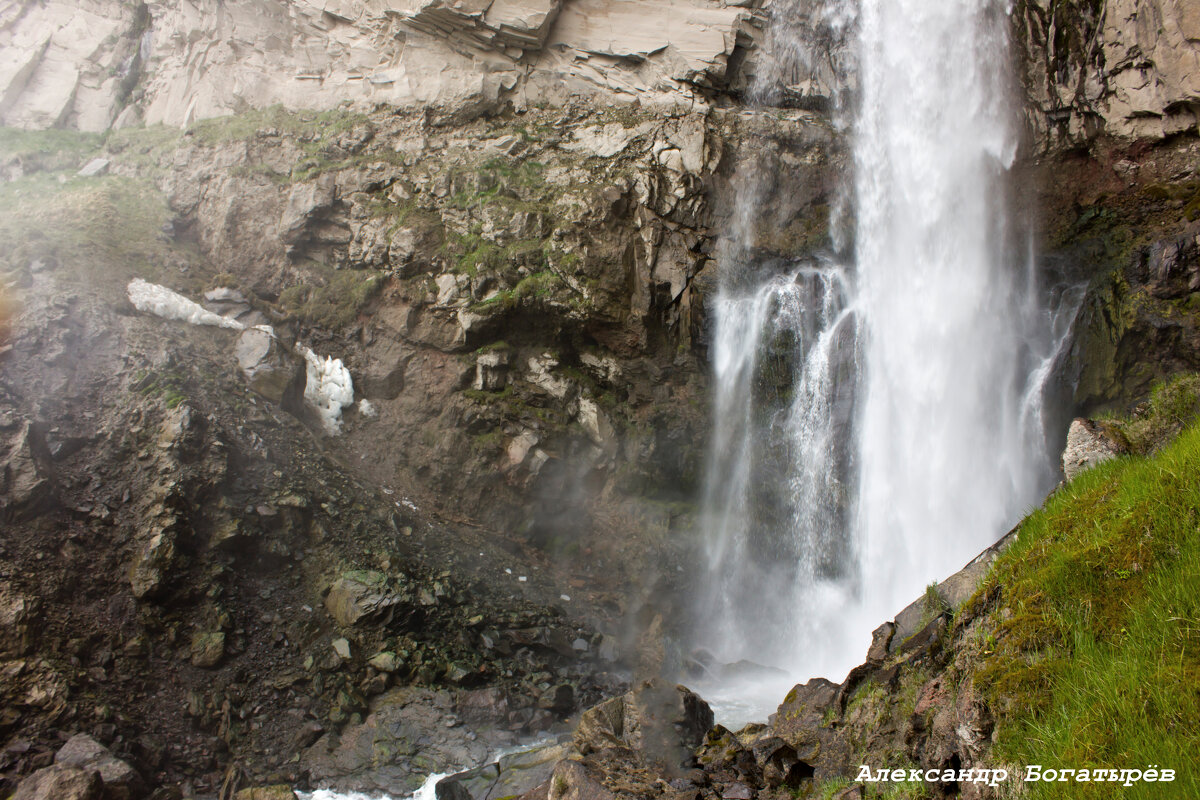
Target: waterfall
880	416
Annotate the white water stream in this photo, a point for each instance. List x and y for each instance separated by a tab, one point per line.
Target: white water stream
880	421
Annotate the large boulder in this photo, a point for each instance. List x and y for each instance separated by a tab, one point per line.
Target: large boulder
271	369
511	776
663	724
61	782
121	781
407	735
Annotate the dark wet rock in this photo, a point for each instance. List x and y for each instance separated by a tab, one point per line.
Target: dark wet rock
61	782
403	738
559	699
277	792
27	476
271	368
662	723
512	775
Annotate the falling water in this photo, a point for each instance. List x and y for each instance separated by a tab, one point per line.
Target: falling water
880	421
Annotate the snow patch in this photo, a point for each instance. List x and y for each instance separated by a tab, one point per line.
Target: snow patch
162	302
329	388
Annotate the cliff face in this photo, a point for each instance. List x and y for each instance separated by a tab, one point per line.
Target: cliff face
91	64
504	216
1109	67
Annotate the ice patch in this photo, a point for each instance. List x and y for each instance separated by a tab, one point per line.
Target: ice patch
162	302
366	409
329	388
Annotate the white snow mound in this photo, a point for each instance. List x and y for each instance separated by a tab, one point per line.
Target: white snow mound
162	302
329	388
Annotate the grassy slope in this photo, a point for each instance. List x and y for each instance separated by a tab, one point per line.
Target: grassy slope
1096	661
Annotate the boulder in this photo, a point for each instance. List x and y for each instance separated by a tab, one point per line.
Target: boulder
277	792
153	564
271	369
61	782
407	734
574	780
1088	443
511	776
358	594
381	377
491	371
18	622
305	202
663	724
26	473
208	648
121	781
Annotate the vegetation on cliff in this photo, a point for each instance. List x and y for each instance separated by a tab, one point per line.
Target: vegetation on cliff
1096	651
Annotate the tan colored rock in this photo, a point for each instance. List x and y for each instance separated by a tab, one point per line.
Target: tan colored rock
121	781
60	782
153	564
1088	444
77	62
1133	72
208	648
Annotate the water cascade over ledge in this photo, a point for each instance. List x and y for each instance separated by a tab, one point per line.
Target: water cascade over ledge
880	414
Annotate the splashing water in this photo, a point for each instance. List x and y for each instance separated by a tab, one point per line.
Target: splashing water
880	422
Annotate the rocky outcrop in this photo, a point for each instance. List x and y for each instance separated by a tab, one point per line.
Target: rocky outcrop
1088	444
1123	68
94	64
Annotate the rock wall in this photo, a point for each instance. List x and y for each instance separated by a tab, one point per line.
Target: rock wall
94	63
1126	68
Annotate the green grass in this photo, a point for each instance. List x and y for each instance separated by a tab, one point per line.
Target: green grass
1097	655
1173	404
53	149
333	299
109	228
